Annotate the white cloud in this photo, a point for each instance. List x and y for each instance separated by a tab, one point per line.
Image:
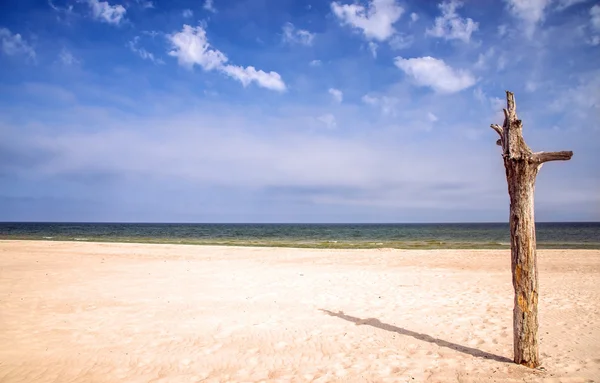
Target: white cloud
375	21
387	105
414	17
208	5
144	54
491	105
337	94
297	36
432	117
67	57
103	11
62	13
329	120
247	75
530	11
562	4
152	34
370	100
497	103
484	58
502	61
315	63
450	25
434	73
187	13
145	3
401	41
479	94
580	101
502	30
14	44
68	9
594	26
531	86
373	48
191	47
595	17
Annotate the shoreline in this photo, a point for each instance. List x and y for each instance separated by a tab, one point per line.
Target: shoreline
342	245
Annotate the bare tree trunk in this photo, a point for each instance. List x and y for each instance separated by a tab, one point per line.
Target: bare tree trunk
521	180
522	167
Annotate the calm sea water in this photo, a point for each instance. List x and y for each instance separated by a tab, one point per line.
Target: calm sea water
483	235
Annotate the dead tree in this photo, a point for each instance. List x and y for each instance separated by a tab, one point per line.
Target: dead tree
522	166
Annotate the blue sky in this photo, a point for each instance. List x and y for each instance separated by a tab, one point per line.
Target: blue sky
292	111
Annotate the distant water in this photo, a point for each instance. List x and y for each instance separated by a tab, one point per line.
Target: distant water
469	235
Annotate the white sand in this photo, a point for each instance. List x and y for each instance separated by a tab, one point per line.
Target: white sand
87	312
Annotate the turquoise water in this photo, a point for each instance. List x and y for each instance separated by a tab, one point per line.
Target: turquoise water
464	235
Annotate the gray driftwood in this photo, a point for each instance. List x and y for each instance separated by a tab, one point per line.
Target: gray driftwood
522	166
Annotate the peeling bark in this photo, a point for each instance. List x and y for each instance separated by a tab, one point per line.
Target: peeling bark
522	167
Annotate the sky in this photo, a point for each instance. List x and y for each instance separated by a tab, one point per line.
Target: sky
293	111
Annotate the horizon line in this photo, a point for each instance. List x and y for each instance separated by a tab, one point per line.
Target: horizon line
280	223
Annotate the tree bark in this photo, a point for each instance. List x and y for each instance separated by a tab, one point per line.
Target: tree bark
521	184
522	167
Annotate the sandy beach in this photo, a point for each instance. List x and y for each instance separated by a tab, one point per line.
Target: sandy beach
90	312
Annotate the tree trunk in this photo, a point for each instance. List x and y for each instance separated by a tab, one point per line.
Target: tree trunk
521	183
522	167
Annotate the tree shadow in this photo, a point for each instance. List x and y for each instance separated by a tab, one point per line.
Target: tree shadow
424	337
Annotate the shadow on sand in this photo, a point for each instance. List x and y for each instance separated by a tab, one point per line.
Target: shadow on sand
424	337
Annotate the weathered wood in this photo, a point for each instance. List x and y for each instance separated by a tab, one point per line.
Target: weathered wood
522	167
541	157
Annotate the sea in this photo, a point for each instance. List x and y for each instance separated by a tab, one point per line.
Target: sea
558	235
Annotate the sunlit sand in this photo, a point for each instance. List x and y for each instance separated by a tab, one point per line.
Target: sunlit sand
88	312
